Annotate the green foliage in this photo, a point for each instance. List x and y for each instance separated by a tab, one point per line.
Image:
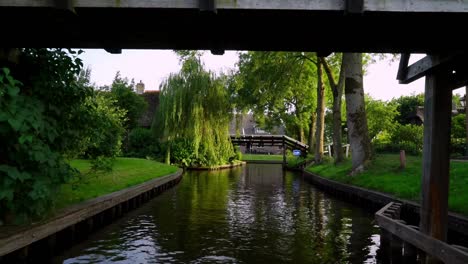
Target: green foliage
279	87
380	117
122	92
459	126
406	106
404	137
39	120
142	144
102	164
194	109
104	130
238	153
458	144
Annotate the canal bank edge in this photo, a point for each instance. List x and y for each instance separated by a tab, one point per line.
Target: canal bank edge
220	167
456	222
17	237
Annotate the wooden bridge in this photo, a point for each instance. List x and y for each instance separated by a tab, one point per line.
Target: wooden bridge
270	140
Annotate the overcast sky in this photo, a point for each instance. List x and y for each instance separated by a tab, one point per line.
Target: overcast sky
152	66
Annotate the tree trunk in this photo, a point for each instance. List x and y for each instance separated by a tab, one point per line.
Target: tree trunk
312	133
337	90
320	127
466	118
356	112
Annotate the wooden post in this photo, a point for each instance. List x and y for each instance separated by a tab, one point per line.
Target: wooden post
435	178
402	159
385	251
284	154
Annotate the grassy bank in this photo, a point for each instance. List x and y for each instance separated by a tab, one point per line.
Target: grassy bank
126	172
247	157
384	175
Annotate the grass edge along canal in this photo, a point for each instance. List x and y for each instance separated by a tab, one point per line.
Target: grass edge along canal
384	175
126	172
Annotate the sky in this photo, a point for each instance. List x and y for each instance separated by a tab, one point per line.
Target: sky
153	66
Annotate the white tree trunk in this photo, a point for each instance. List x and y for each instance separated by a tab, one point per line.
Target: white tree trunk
466	118
355	112
320	127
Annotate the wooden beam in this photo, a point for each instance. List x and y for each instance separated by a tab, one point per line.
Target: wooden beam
403	66
354	6
437	248
435	178
429	64
207	6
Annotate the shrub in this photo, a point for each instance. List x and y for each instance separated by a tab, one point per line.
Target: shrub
404	137
40	106
142	143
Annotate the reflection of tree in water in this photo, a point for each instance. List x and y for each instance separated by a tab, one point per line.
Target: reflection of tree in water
253	214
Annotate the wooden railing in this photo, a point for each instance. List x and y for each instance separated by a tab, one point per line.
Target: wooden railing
406	241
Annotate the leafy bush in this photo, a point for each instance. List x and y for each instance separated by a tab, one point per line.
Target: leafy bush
404	137
102	164
458	147
182	153
104	128
142	143
40	106
238	153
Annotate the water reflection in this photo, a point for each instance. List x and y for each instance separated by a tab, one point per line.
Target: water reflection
253	214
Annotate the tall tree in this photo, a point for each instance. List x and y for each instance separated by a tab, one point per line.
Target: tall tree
407	106
277	87
123	92
380	116
320	127
337	91
356	113
195	110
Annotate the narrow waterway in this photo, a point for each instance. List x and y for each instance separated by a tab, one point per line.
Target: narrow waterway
253	214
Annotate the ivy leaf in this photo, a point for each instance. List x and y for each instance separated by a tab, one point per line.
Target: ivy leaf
25	138
6	194
13	90
15	123
3	116
12	172
39	156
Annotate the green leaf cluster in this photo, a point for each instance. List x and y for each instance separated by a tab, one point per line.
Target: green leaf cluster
40	99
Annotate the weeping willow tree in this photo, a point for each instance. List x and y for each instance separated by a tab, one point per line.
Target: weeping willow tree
193	116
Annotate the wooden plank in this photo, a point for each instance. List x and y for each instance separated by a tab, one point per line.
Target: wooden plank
437	248
329	5
15	238
423	67
445	6
417	6
436	156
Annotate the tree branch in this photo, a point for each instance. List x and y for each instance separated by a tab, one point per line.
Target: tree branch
331	79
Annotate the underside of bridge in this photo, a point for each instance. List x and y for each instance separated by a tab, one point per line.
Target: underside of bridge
396	26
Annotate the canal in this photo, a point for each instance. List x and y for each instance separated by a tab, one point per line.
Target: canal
252	214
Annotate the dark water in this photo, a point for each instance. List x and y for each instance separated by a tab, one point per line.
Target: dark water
254	214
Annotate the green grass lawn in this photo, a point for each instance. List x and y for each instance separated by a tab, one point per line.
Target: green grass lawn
247	157
126	172
384	175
